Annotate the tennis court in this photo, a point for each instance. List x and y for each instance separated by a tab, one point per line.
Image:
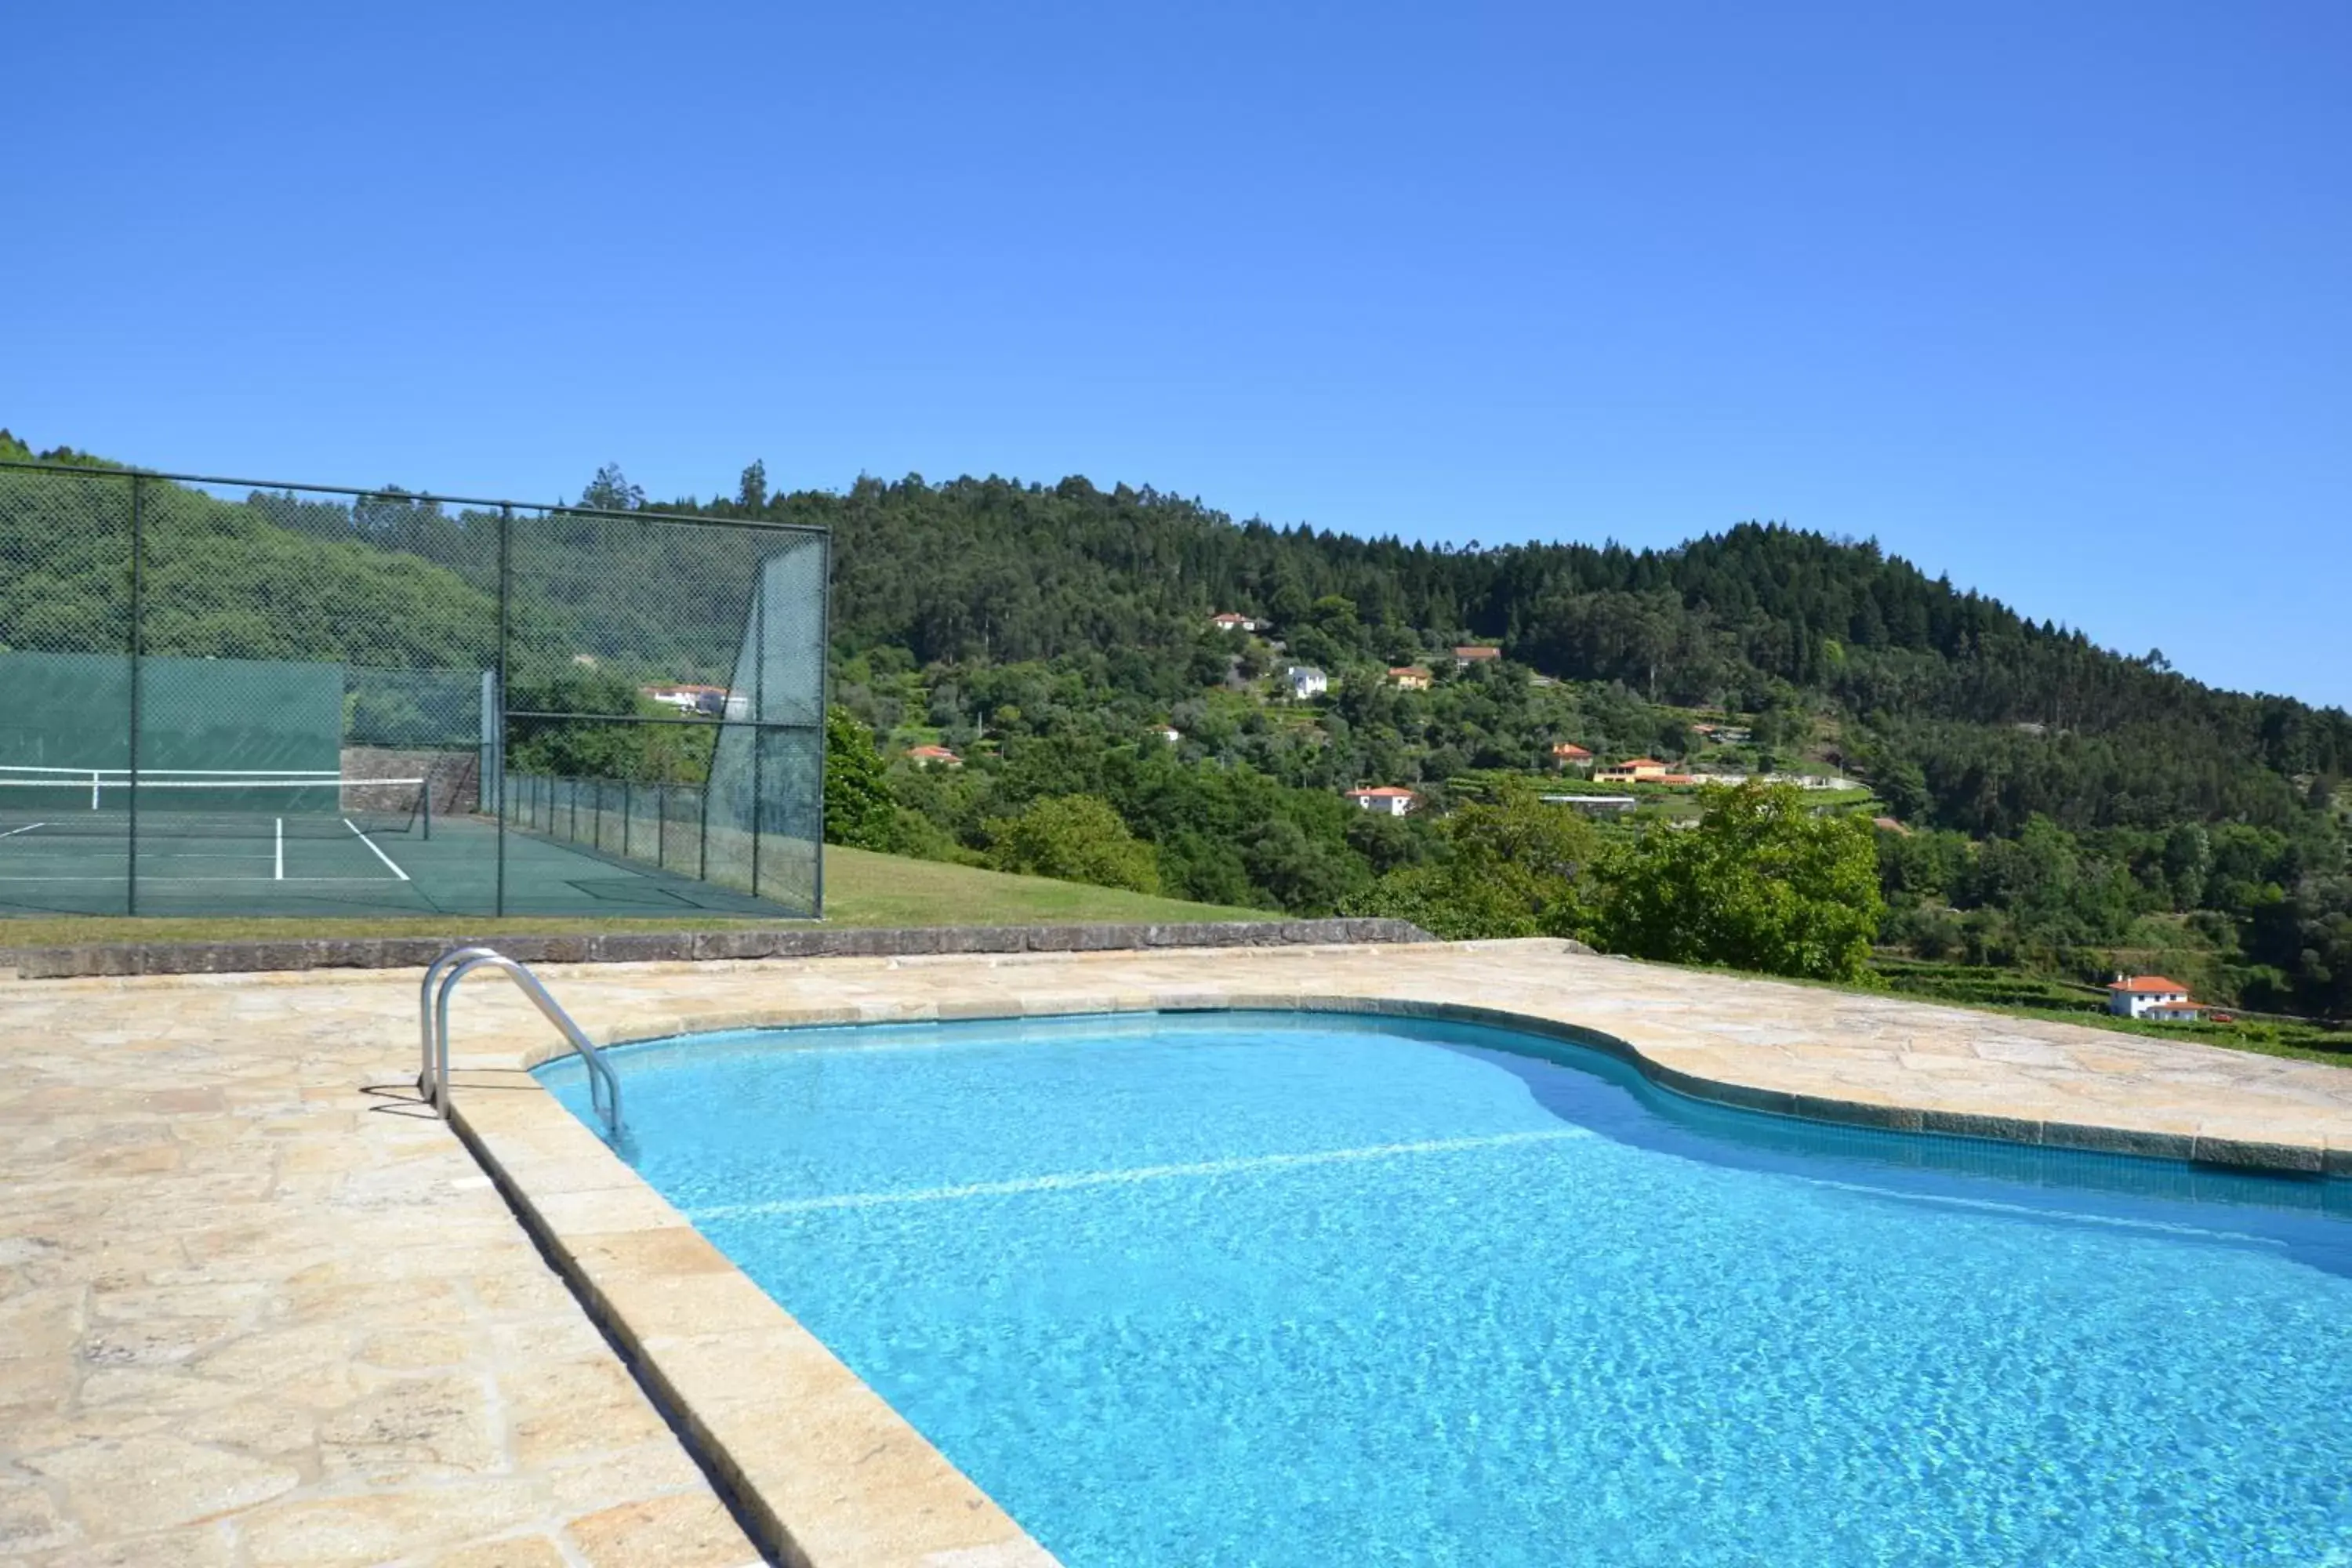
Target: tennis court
232	697
237	844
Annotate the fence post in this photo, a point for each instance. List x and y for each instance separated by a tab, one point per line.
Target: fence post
505	552
759	711
824	706
138	678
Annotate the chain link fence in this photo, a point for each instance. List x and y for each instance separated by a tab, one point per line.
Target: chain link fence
233	698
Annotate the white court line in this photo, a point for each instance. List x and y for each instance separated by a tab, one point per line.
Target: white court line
379	851
1068	1180
27	828
144	879
75	775
281	851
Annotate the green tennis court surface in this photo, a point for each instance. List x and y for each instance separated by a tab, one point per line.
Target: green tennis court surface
330	865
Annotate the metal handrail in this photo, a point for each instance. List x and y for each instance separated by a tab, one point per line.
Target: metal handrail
425	1080
604	1087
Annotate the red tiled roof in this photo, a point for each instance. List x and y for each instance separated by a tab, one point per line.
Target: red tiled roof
1477	653
1570	749
2148	986
1381	792
929	751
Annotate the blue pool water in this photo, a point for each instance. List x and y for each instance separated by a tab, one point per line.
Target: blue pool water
1275	1289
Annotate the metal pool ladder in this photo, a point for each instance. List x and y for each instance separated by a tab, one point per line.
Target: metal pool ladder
441	977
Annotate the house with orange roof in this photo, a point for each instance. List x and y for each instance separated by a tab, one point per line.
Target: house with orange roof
1641	770
1387	799
1467	655
1568	754
933	757
1409	677
1229	621
2152	996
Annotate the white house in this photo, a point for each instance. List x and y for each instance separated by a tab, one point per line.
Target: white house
1304	681
2151	996
1386	799
1228	621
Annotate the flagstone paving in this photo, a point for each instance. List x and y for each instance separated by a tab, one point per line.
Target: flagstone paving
257	1309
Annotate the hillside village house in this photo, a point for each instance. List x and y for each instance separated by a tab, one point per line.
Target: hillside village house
1387	799
1409	677
2152	996
933	757
1227	621
1568	754
1170	733
1642	770
1304	680
1477	655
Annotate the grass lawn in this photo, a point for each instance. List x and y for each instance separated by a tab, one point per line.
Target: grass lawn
861	889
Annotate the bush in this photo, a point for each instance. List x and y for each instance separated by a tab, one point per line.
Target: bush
1513	868
858	809
1761	883
1076	838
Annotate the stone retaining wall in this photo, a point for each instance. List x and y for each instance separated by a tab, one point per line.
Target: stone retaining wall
646	947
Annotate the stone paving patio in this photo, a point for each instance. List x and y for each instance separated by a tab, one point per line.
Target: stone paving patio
255	1309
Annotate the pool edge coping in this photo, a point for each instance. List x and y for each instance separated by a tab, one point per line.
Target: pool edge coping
653	1283
829	1474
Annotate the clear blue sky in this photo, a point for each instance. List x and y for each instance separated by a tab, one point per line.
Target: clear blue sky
2056	297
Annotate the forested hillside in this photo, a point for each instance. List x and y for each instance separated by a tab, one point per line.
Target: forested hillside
2062	806
988	570
2050	804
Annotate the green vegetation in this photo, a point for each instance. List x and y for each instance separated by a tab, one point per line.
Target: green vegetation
1760	883
1076	837
1506	868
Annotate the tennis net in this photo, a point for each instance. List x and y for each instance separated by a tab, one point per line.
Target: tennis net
209	803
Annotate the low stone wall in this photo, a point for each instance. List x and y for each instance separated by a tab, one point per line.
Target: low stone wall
131	958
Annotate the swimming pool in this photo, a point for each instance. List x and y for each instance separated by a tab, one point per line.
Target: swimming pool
1301	1288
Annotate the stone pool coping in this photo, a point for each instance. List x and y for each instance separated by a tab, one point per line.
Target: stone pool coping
827	1473
819	1467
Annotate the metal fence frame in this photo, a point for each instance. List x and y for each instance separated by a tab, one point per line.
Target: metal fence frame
137	479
